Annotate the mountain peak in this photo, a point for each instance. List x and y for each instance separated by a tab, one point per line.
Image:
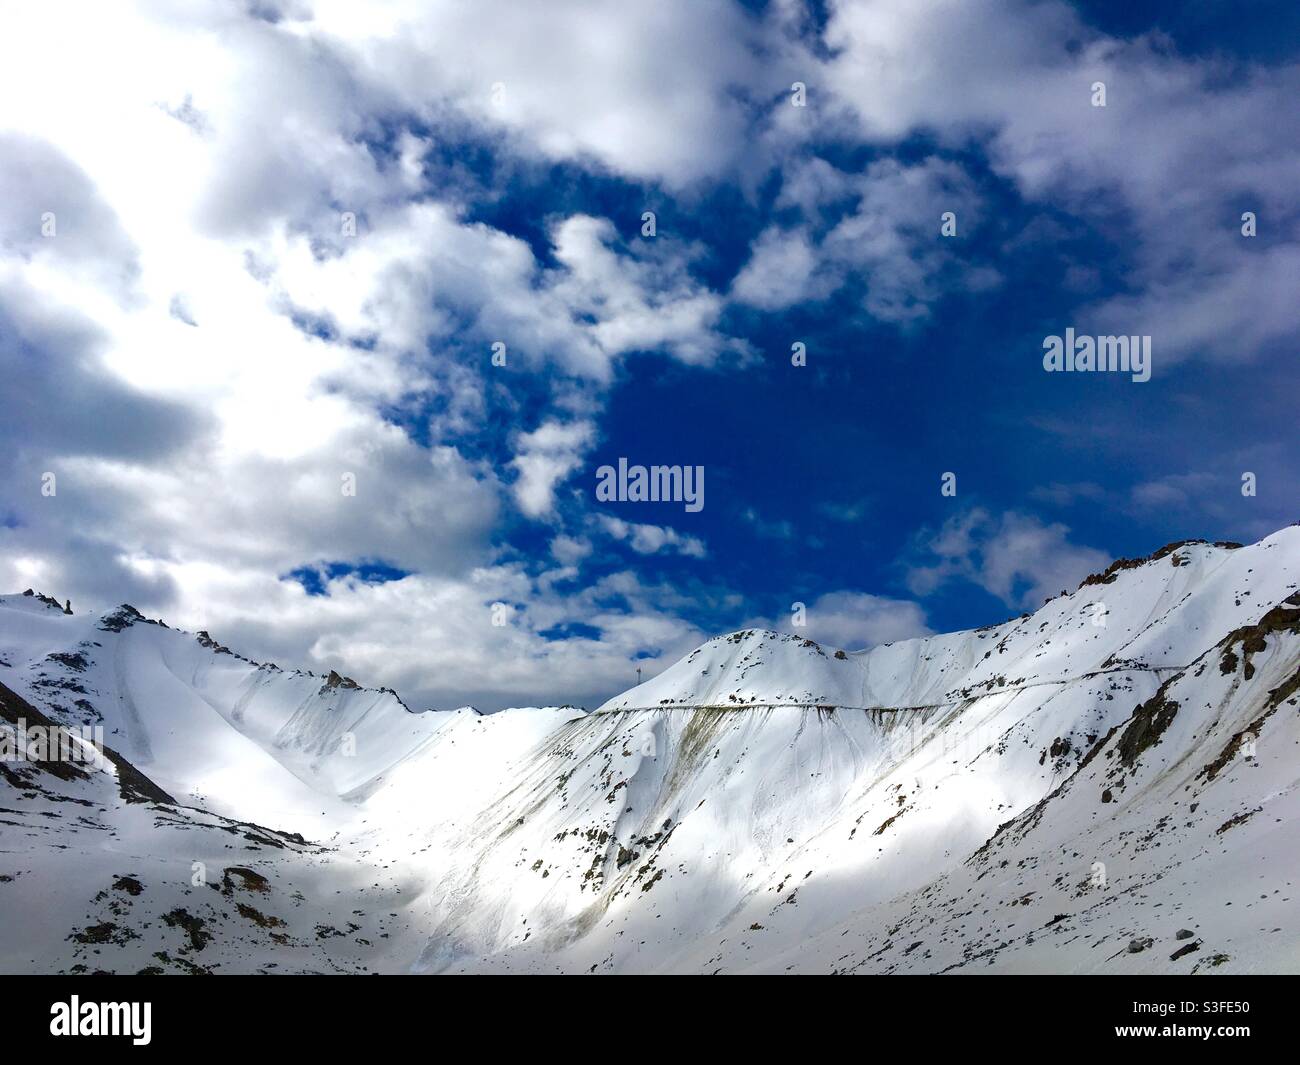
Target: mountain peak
1147	612
48	601
766	801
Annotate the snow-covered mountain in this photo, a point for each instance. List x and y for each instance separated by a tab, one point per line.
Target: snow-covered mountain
1098	786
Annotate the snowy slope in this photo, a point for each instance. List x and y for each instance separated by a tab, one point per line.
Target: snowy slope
1165	616
1173	848
764	804
101	872
737	802
250	739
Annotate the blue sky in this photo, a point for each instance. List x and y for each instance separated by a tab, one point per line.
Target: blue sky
206	351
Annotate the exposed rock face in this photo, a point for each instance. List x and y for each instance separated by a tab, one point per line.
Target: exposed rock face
134	785
337	681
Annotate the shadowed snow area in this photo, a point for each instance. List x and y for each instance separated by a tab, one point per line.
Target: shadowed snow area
1098	786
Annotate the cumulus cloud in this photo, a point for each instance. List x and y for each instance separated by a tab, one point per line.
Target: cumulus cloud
780	271
70	401
1249	490
433	638
231	383
641	302
1013	556
855	620
570	550
55	221
889	241
650	539
255	339
546	456
658	90
1017	78
418	275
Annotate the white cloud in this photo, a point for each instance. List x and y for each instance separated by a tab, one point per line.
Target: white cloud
651	539
54	221
432	637
1015	557
856	620
570	550
1185	145
545	457
1175	491
205	354
654	89
418	275
779	272
890	241
643	301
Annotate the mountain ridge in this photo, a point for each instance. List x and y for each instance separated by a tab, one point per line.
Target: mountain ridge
711	829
